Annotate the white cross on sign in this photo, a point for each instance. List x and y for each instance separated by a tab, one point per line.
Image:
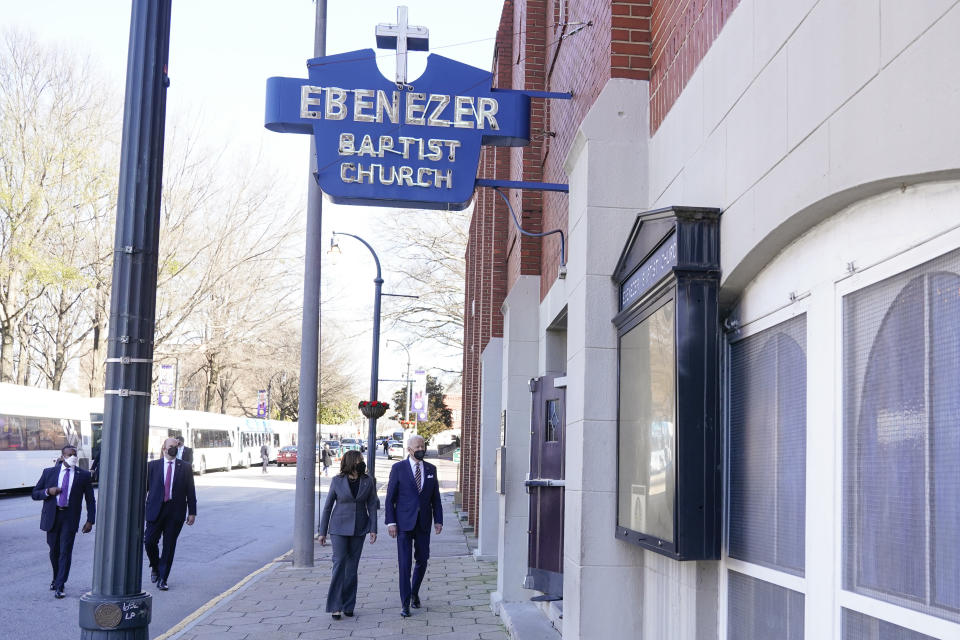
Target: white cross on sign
403	38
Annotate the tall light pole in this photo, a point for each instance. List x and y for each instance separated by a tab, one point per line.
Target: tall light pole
375	358
117	606
304	504
407	378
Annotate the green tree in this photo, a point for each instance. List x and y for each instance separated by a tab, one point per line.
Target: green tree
439	415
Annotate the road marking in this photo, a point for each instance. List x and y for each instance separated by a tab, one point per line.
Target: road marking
183	624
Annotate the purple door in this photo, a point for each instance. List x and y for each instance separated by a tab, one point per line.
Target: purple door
545	486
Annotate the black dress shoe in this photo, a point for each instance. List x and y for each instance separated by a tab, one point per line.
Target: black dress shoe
415	601
59	594
349	614
162	584
335	616
405	612
153	575
53	586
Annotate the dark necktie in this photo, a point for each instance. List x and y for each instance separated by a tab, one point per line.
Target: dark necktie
64	489
419	478
166	482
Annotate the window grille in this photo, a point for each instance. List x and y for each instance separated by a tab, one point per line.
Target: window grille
758	610
901	364
767	447
858	626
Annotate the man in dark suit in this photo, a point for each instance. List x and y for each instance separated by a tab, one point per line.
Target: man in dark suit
63	488
170	497
413	503
184	453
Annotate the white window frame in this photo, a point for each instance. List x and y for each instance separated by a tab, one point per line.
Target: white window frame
727	564
844	599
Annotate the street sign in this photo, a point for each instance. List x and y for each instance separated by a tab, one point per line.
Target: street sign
399	144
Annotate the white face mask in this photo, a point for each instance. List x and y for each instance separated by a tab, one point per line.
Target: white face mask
72	461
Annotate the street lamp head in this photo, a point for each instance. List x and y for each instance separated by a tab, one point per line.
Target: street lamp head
334	245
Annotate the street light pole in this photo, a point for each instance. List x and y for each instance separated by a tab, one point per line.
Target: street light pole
375	360
304	504
409	381
117	607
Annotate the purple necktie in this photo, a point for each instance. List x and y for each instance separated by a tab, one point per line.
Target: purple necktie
64	489
166	482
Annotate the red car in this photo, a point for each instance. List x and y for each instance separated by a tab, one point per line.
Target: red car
287	455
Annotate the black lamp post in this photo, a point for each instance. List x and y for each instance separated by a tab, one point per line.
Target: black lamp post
117	606
375	360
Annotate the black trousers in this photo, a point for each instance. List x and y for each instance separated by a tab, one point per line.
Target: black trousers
60	540
169	528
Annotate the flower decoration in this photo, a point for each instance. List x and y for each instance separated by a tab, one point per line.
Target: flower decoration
373	408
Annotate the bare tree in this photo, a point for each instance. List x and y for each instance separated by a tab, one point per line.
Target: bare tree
54	118
428	252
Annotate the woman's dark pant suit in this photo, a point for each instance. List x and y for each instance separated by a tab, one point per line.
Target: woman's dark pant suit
349	514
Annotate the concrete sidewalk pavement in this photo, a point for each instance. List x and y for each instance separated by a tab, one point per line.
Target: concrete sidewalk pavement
281	602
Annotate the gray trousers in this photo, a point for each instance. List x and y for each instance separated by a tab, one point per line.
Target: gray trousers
342	595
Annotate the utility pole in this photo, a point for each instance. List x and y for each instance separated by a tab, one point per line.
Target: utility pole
409	382
117	607
304	512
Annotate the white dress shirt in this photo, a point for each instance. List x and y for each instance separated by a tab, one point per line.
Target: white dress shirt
180	453
73	474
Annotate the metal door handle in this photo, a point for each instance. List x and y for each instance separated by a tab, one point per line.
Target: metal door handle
544	482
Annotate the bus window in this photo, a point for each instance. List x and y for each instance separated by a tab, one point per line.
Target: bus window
11	433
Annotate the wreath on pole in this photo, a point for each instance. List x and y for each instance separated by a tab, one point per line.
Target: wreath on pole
373	408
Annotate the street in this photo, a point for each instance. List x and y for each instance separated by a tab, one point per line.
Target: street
244	520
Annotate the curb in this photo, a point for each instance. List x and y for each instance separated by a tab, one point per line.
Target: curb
200	614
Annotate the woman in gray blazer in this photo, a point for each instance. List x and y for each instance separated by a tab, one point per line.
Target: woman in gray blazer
349	513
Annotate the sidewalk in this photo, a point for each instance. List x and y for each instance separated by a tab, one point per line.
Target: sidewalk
280	602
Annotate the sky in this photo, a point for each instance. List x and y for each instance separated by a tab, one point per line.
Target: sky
222	52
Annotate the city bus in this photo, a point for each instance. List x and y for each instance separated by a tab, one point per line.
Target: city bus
252	434
34	425
213	437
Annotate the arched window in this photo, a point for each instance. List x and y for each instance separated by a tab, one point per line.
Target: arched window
901	361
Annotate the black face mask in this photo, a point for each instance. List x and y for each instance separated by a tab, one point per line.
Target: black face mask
361	468
419	454
172	452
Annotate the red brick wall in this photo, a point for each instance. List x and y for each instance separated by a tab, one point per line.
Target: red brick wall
560	45
486	280
683	31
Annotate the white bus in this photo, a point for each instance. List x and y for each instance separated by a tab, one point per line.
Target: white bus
164	423
255	432
252	434
213	437
34	425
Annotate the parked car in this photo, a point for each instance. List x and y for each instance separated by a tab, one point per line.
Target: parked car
394	449
355	444
286	455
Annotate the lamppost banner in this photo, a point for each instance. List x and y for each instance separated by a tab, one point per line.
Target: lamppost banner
165	385
262	403
419	403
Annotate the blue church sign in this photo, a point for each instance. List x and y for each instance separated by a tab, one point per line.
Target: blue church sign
397	144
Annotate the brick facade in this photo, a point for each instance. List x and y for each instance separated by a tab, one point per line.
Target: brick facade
565	46
683	31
